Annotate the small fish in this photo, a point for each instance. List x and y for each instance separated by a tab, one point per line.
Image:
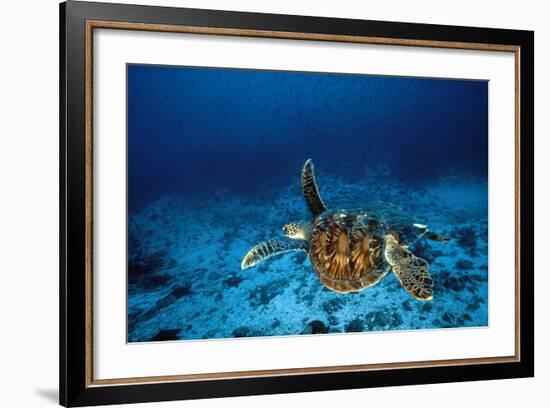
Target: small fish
420	226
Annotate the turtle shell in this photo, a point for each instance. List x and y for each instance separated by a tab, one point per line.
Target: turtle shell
346	249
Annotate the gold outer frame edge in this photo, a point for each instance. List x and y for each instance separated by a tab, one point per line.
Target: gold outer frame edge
119	25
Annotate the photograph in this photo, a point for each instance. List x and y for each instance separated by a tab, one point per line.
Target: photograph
291	203
255	202
270	204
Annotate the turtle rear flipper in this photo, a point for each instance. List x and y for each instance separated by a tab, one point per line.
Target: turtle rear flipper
436	237
411	270
270	248
310	190
425	232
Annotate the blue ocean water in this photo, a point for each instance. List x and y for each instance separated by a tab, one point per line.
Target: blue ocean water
214	160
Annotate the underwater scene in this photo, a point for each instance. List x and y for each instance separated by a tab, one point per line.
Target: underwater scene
276	203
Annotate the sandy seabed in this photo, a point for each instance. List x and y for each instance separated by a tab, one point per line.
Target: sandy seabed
185	280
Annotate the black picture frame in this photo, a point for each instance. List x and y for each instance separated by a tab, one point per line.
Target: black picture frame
76	389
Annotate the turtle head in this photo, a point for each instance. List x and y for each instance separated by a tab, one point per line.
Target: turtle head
297	230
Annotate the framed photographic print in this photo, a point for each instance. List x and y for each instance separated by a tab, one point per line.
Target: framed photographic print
255	203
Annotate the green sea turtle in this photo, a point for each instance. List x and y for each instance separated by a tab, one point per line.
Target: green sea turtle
351	249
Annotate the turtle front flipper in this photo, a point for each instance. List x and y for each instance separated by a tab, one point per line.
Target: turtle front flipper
270	248
411	270
310	189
